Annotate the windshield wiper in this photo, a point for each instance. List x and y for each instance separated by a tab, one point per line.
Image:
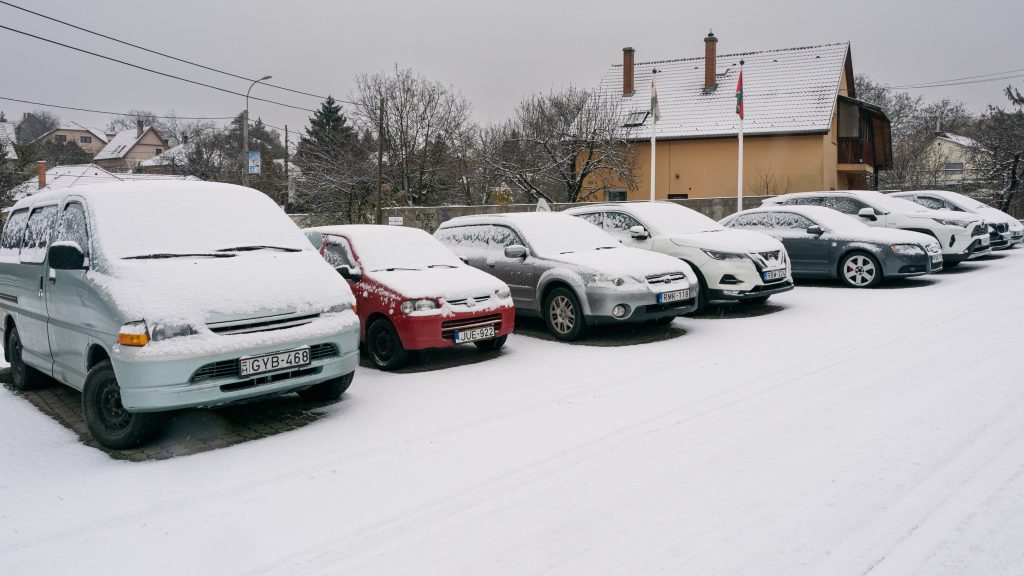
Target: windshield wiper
393	269
606	247
258	247
170	255
440	266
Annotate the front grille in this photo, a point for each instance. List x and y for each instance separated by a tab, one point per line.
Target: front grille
666	278
768	260
449	327
270	379
229	368
655	308
979	230
262	324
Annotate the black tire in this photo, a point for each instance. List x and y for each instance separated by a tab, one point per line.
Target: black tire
563	315
492	344
702	292
108	421
384	346
755	301
860	270
327	391
24	376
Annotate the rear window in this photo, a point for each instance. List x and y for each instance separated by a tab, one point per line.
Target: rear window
37	234
14	231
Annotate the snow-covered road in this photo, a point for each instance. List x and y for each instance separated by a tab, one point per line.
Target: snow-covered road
849	432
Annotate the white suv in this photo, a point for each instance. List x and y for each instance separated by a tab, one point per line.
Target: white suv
962	236
1005	231
736	265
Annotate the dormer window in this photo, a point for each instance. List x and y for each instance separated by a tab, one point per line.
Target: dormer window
634	119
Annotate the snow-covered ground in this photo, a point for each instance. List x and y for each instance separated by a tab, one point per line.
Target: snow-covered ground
849	432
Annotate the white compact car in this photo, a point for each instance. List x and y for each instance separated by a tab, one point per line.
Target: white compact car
1005	231
731	265
962	236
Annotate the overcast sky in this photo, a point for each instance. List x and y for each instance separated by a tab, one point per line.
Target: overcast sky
493	52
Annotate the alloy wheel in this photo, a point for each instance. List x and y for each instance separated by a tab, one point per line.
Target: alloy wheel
563	314
859	270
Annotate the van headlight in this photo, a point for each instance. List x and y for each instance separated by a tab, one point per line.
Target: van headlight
339	308
726	256
410	306
138	333
907	249
161	331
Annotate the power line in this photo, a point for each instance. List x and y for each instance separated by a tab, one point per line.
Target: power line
144	49
1005	75
114	113
196	82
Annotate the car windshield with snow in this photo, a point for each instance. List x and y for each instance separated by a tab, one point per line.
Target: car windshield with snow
961	236
1004	231
155	296
571	273
413	293
824	243
730	265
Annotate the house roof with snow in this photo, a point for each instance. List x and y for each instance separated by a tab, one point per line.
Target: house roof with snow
959	140
122	143
7	136
787	91
171	156
81	175
76	127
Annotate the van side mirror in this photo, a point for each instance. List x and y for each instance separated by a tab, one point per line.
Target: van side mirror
66	255
639	232
868	214
815	230
349	273
515	251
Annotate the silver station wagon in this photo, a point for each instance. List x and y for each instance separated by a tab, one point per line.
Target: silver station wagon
572	273
155	296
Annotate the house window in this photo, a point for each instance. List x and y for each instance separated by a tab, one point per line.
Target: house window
158	151
678	196
634	119
85	139
953	168
615	195
60	138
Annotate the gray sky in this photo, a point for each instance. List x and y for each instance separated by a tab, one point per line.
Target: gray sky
494	53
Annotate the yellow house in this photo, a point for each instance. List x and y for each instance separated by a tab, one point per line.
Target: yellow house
129	148
950	160
804	129
89	139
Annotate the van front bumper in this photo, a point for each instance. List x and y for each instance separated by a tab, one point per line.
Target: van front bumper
154	383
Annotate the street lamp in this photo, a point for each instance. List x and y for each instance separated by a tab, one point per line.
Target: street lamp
245	132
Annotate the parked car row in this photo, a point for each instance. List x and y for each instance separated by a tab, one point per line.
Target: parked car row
152	297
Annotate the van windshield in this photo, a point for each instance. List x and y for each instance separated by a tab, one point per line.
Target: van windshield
153	221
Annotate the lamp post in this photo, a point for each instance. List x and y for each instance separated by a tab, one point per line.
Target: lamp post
245	132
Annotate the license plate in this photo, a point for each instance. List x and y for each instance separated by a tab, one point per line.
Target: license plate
252	365
674	296
474	334
774	274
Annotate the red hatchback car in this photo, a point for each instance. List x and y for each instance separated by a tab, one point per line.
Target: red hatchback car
413	293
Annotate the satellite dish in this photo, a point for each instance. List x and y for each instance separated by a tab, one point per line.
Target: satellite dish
543	206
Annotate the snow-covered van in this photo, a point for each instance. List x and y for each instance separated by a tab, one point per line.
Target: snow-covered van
155	296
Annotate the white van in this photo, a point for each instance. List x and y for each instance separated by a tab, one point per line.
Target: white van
155	296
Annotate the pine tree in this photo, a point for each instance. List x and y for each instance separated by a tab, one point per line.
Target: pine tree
328	134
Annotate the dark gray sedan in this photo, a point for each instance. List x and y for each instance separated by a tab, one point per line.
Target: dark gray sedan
824	243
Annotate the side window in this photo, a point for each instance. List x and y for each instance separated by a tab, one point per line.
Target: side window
594	218
930	202
14	232
845	205
807	201
764	220
337	253
502	236
37	234
790	221
618	224
74	227
464	238
953	207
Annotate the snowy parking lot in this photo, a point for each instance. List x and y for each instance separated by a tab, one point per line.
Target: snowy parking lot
840	432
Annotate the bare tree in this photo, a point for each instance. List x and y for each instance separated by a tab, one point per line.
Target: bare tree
561	144
34	124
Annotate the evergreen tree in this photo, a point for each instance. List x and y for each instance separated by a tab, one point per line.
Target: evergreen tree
328	134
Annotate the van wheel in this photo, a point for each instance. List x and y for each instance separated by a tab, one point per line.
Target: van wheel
24	376
492	344
564	315
327	391
384	346
109	422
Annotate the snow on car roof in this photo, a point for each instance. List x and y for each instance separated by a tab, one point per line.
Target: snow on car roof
827	217
382	247
666	217
547	233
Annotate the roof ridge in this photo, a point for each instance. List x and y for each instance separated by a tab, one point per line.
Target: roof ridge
847	43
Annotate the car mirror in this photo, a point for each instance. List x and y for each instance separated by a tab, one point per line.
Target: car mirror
815	230
639	232
66	256
349	273
515	251
868	214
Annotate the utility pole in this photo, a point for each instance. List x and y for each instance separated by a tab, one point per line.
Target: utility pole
245	133
380	160
287	180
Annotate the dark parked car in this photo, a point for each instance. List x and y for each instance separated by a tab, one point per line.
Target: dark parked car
824	243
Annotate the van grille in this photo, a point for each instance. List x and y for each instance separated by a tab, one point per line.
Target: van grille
449	327
229	368
263	324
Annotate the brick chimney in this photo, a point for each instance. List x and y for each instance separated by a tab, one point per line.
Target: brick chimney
42	173
138	128
710	62
627	71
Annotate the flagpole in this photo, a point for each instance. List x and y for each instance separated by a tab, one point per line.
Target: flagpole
739	172
654	130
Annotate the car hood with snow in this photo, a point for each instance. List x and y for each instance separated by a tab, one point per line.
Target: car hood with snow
623	261
944	215
883	236
441	282
735	241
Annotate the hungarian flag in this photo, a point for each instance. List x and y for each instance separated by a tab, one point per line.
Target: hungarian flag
655	111
739	96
